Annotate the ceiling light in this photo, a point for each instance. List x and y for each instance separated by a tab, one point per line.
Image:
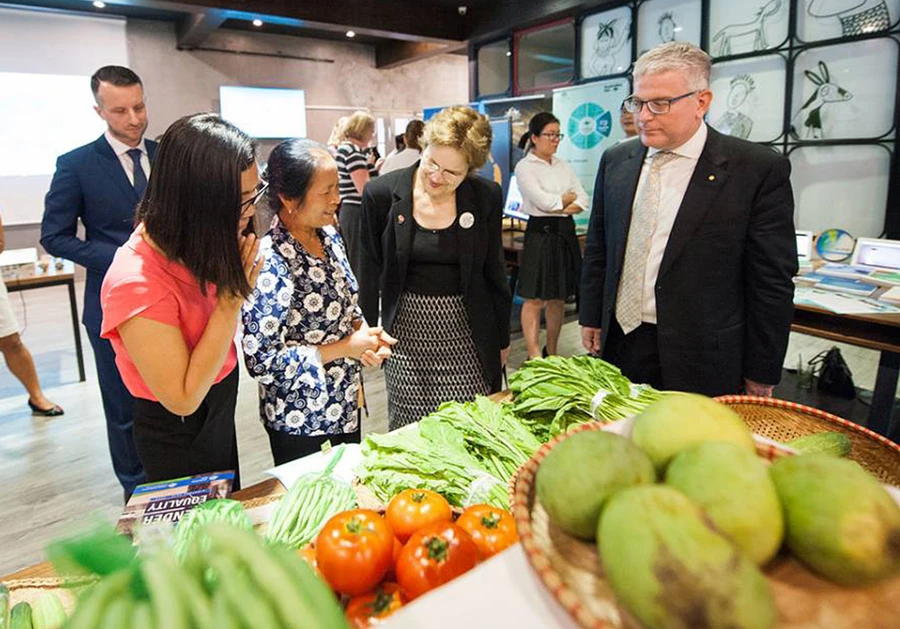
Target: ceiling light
351	34
257	22
99	4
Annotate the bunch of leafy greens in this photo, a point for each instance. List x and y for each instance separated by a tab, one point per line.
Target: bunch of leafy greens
491	433
428	455
551	394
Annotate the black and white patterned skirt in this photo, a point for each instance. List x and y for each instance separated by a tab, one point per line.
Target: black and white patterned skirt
434	360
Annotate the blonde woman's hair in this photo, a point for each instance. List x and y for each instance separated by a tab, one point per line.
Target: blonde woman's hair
359	123
682	57
337	131
461	128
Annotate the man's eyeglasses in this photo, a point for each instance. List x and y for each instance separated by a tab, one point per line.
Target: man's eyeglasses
432	167
257	194
553	136
657	106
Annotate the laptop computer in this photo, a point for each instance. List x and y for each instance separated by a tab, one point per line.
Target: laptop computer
877	253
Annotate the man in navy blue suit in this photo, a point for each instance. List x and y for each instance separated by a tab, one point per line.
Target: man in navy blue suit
100	184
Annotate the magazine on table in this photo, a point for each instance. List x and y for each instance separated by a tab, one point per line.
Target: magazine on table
167	501
839	284
863	273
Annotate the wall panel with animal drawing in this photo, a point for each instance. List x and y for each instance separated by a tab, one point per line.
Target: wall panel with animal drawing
814	79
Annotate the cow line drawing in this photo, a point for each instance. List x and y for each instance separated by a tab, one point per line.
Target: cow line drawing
722	41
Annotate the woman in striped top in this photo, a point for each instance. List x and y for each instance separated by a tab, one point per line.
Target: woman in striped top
353	175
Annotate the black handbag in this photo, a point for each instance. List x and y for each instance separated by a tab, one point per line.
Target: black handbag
834	376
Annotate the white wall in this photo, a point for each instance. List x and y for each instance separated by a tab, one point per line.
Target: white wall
46	60
183	82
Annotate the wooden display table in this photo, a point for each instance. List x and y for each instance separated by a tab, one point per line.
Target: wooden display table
264	489
34	277
880	332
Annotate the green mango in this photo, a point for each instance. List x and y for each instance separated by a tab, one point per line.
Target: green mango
734	489
839	520
672	570
679	421
582	471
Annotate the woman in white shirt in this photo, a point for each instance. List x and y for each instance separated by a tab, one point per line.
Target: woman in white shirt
410	155
551	260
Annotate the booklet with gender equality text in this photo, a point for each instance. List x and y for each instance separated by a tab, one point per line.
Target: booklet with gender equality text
167	501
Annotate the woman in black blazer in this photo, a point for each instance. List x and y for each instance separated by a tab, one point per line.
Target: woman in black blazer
434	231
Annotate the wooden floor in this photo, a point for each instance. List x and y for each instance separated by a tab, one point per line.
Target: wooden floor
56	472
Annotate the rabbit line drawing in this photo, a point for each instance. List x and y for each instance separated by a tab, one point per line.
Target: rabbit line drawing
824	93
857	16
722	40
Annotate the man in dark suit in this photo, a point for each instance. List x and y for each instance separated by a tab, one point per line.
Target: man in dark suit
100	184
686	283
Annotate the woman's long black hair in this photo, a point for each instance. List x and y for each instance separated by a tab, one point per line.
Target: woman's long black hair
536	127
192	205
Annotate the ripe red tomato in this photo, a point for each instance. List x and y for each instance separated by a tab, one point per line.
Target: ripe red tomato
354	551
370	609
491	529
433	556
412	509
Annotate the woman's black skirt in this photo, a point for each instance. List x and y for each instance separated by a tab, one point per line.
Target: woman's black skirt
551	259
172	446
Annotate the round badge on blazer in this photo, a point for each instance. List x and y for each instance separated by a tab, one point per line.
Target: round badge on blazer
401	219
466	220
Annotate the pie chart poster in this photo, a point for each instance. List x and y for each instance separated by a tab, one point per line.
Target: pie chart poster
589	118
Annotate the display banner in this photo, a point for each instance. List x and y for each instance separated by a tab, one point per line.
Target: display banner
497	167
589	118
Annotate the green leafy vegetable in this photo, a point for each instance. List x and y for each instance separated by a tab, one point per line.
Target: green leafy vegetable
551	394
490	432
433	454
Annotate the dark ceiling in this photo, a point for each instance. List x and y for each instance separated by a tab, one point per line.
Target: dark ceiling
400	30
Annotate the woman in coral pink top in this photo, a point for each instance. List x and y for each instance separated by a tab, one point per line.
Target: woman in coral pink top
173	294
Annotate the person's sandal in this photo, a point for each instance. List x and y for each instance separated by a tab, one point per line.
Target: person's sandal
54	411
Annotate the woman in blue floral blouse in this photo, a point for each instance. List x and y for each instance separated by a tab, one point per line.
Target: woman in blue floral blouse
304	335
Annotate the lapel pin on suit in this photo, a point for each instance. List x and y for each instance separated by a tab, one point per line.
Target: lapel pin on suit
466	220
401	219
712	177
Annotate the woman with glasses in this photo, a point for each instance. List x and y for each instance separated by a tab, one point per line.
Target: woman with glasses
172	296
304	335
434	228
551	258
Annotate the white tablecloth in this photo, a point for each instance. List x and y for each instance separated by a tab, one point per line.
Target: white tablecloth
502	592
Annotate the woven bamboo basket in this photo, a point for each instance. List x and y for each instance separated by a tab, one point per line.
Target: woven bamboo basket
570	569
783	421
29	590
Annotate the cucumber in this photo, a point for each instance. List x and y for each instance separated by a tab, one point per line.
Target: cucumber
832	443
20	617
4	607
47	612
